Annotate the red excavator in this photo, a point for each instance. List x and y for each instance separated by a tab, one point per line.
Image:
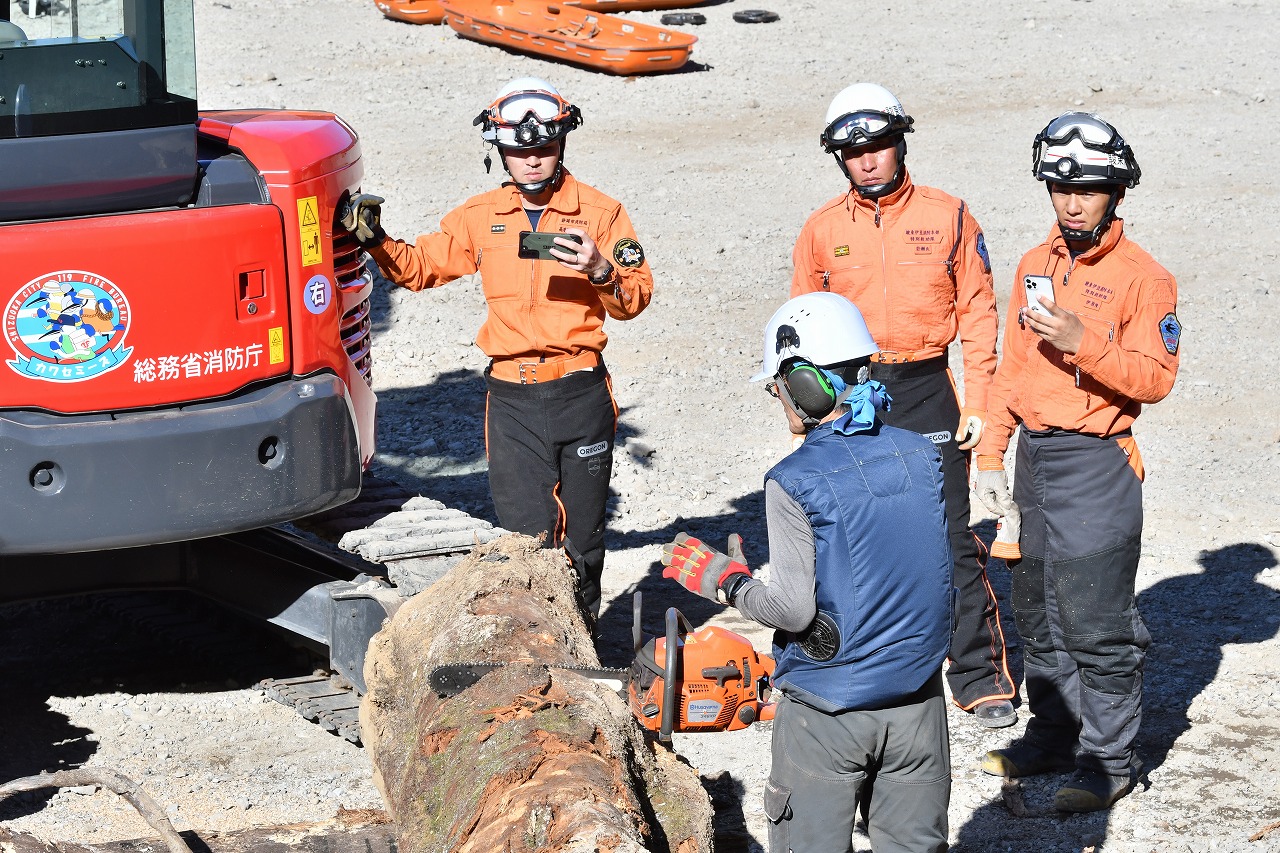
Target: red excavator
186	324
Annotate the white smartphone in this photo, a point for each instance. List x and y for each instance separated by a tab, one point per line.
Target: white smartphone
1036	286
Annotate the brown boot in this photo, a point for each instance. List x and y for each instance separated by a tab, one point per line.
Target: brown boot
1092	791
1026	759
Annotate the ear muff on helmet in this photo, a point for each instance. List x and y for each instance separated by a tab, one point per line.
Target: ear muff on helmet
809	388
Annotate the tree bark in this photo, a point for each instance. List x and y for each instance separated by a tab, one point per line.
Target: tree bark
530	757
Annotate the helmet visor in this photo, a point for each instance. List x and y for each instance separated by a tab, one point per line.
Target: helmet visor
528	119
1081	148
514	108
860	128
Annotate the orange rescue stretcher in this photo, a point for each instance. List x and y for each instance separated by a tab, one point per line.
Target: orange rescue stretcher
570	34
431	12
412	11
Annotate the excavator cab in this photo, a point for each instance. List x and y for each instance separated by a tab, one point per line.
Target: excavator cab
97	108
184	322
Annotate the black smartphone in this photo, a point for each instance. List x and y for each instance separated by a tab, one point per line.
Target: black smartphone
538	244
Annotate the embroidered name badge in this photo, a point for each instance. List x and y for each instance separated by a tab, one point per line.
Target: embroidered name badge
1170	332
497	229
628	252
842	251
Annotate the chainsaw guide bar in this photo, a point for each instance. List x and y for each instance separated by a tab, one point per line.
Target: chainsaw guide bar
453	678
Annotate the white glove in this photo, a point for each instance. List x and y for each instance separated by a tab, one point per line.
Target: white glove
969	431
993	490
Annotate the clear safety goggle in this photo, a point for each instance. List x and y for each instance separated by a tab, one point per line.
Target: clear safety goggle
528	119
513	109
1091	133
862	127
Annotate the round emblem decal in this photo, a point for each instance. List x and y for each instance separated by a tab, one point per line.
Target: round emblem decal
318	294
67	326
628	252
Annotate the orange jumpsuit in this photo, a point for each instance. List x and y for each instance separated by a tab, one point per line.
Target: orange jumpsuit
1078	484
537	309
915	263
550	418
917	282
1123	298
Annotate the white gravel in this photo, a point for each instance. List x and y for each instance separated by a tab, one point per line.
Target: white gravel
719	168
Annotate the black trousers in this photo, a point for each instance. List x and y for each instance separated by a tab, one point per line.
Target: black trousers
550	449
924	401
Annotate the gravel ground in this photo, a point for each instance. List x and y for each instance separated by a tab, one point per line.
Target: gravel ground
719	166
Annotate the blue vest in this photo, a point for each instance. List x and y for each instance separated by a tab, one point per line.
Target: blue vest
883	586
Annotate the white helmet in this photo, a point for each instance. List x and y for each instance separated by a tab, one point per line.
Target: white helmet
527	113
861	114
1081	148
823	328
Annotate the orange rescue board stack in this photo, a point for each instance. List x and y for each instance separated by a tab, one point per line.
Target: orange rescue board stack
431	12
570	34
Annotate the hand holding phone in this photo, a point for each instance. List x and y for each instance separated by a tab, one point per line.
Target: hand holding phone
1036	286
537	245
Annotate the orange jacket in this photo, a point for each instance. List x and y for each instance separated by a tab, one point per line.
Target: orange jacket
537	309
1129	355
891	260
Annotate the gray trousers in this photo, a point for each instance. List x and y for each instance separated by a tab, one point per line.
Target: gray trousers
1074	597
822	761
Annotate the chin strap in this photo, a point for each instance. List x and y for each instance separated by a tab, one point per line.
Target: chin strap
877	191
535	188
1095	234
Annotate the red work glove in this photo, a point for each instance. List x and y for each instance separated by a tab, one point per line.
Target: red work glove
699	567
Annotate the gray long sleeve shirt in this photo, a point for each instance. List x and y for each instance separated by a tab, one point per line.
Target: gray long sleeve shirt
787	601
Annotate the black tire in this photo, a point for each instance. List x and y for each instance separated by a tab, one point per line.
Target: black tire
755	16
675	19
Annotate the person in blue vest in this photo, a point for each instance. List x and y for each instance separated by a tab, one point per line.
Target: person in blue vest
860	593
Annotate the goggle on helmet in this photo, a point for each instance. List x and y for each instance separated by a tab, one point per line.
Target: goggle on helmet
1080	148
527	119
863	127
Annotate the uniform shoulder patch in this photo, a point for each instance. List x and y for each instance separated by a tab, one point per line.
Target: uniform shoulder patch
628	252
1170	332
982	252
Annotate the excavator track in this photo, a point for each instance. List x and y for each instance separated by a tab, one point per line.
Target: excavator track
328	701
414	541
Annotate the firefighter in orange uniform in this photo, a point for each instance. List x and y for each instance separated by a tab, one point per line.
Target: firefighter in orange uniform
1076	370
550	416
913	259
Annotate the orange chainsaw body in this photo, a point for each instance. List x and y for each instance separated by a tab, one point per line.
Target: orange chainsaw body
709	680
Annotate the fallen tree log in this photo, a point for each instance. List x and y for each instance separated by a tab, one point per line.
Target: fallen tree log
530	757
350	831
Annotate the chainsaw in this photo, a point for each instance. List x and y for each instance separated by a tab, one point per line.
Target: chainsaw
690	680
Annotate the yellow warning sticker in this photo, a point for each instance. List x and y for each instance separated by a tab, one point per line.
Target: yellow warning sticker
309	232
276	337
